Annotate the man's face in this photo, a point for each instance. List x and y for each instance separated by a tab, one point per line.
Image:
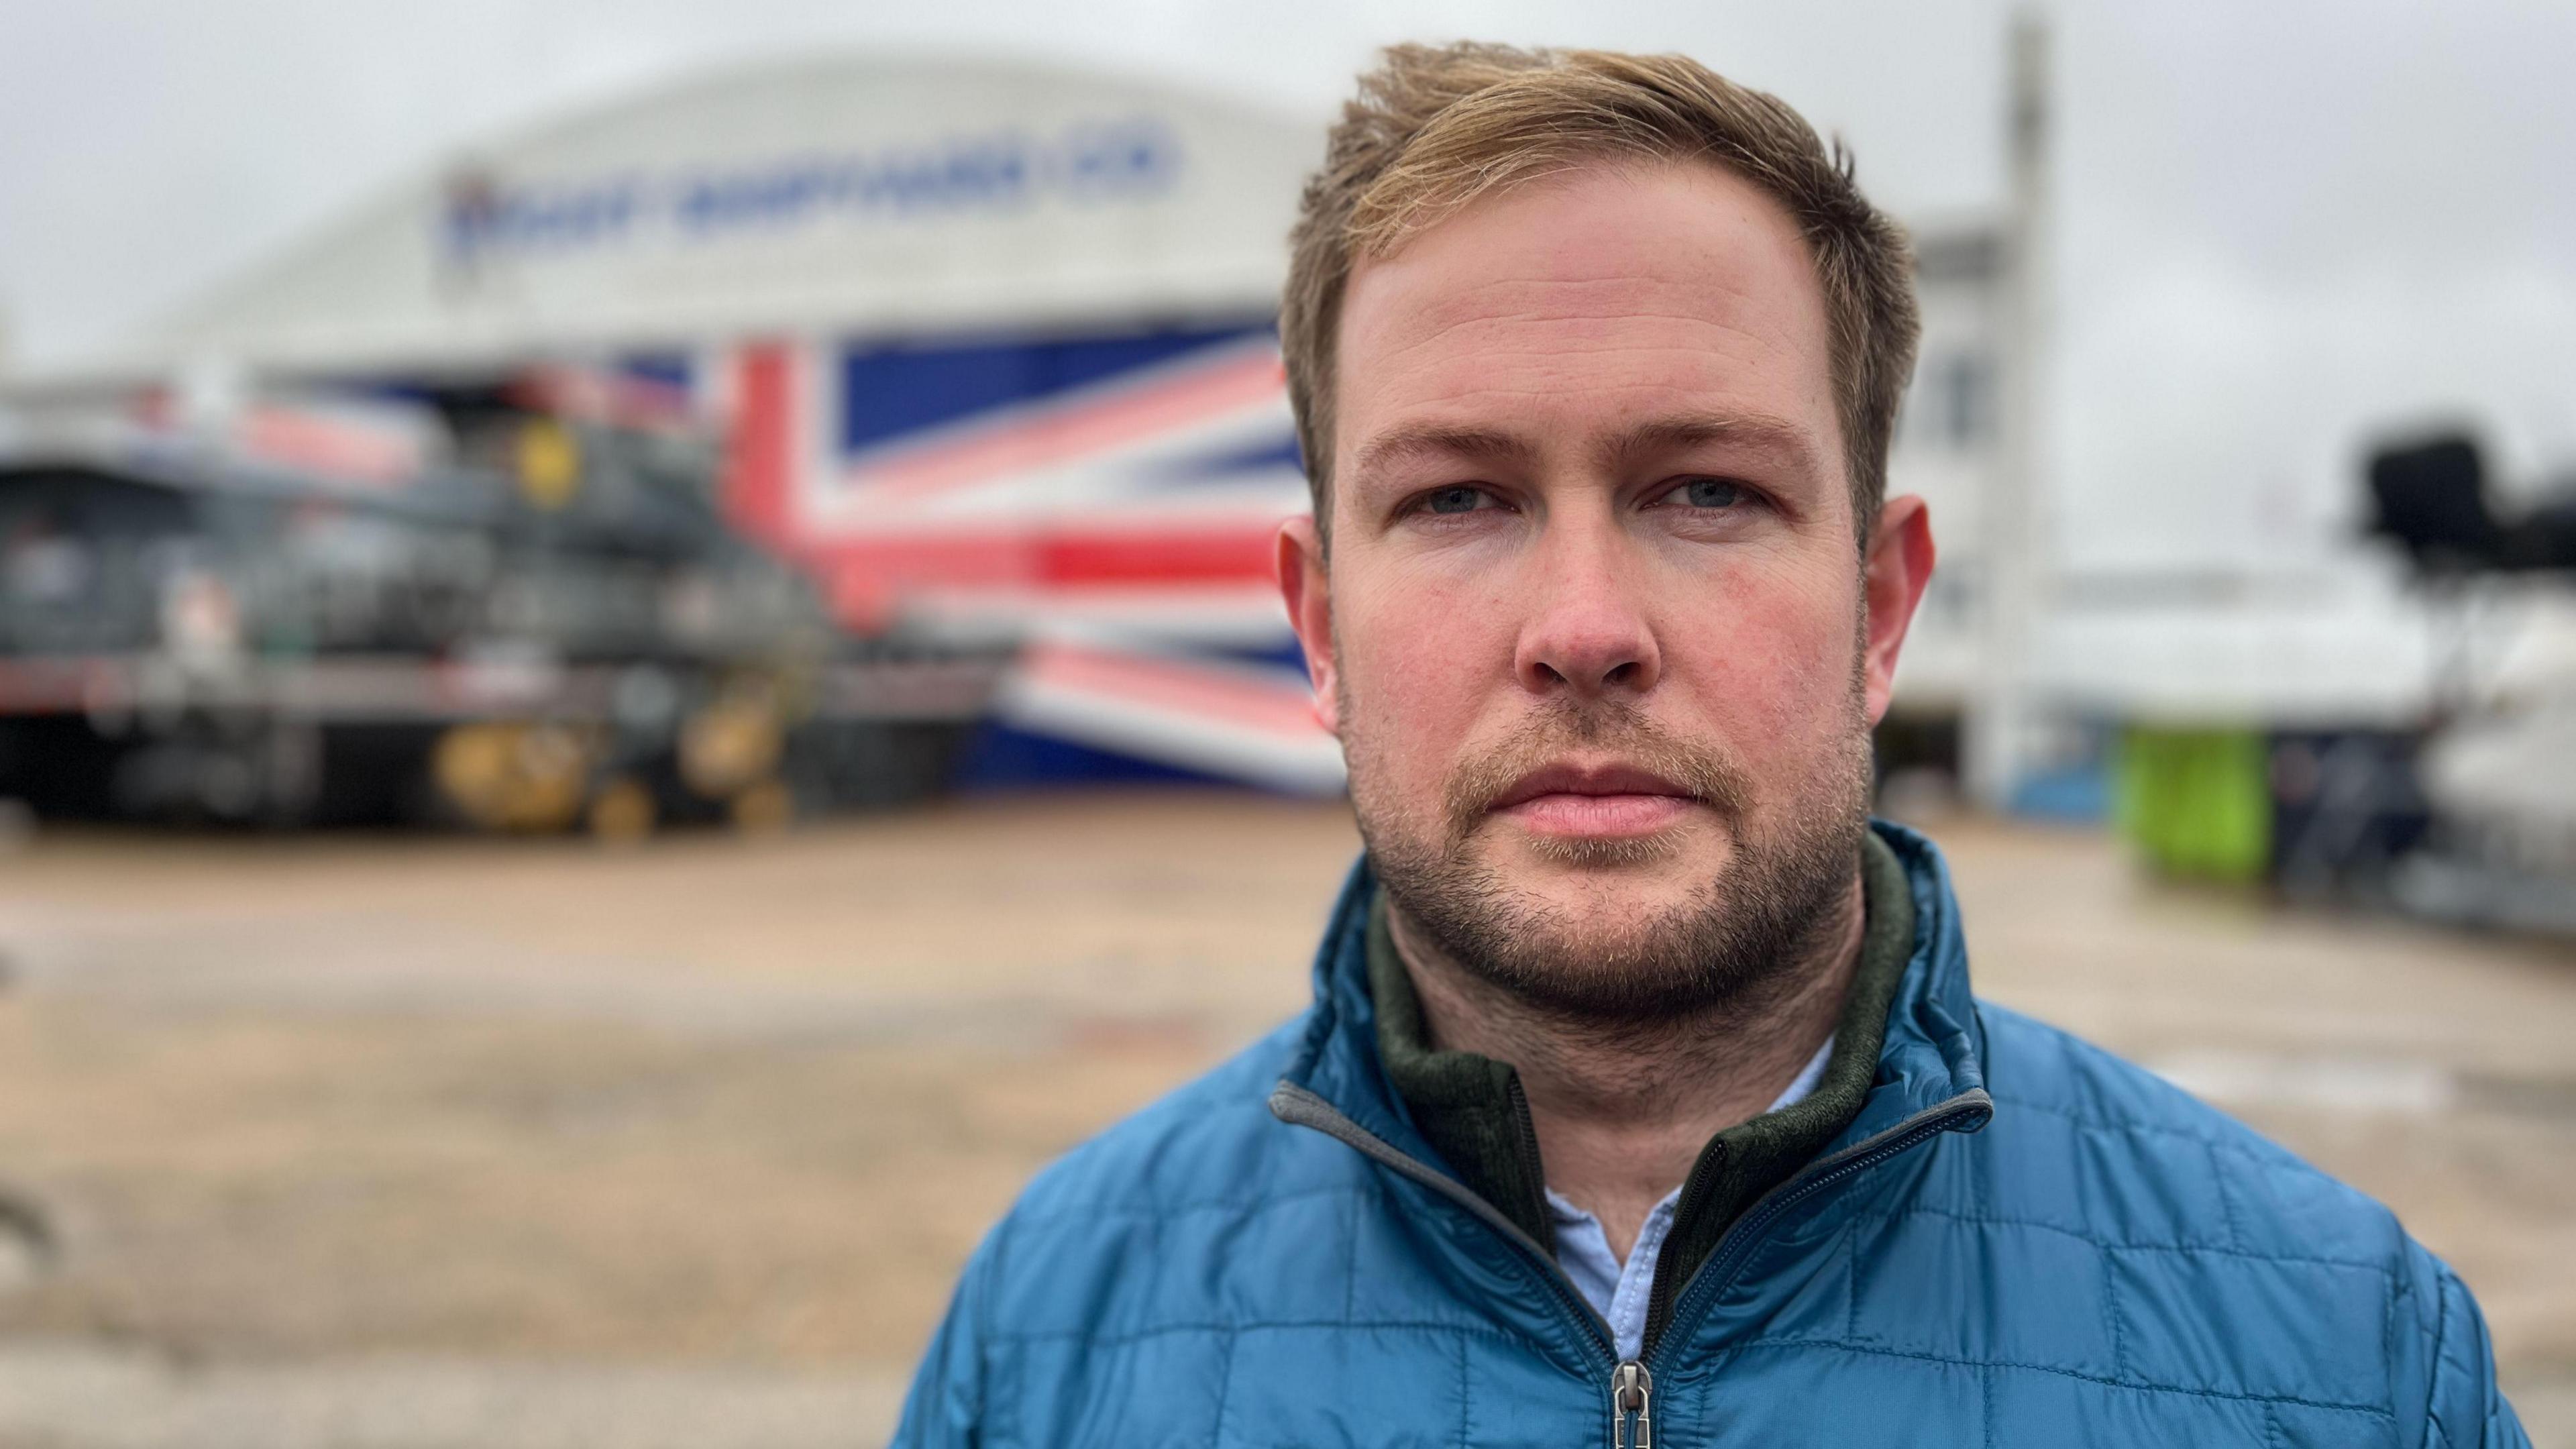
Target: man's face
1594	632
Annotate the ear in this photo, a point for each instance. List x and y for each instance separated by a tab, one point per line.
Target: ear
1307	590
1899	565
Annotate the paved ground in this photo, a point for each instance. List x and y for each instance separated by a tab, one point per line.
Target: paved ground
399	1142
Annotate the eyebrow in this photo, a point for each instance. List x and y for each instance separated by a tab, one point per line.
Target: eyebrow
1432	440
1761	432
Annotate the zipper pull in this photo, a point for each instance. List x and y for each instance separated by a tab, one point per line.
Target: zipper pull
1631	1389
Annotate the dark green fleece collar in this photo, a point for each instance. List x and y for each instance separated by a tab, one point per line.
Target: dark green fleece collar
1472	1111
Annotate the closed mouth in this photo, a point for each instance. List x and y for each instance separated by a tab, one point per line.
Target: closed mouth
1569	778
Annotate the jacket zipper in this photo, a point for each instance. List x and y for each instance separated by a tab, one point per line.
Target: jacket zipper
1631	1402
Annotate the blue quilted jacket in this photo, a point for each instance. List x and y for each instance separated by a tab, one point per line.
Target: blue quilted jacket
2020	1241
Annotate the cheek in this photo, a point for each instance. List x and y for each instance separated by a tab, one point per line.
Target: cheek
1420	659
1772	663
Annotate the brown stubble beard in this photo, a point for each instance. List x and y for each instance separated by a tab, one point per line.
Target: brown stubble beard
1741	939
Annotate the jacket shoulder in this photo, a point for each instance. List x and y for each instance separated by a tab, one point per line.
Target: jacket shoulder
1208	1142
2163	1252
2152	1165
1138	1230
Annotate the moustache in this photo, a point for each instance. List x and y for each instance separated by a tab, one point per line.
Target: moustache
1701	772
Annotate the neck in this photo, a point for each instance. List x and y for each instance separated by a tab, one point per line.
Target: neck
1623	1108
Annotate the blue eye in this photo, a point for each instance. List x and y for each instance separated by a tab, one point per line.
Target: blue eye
1712	493
1454	500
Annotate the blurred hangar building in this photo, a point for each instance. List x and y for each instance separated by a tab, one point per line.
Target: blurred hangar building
990	350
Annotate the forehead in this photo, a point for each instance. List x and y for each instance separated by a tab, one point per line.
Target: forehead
1577	305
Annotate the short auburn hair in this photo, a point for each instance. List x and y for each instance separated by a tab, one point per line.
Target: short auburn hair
1434	128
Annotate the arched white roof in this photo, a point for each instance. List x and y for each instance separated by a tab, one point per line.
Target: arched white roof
846	195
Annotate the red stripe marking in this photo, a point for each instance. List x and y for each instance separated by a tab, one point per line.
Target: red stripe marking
1284	708
1074	430
1229	553
1234	554
760	460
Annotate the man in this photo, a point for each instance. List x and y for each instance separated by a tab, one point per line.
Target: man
1643	1098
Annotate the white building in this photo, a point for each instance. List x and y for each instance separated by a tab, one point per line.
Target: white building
993	343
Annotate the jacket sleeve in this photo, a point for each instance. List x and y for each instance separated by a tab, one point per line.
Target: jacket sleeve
2465	1409
945	1408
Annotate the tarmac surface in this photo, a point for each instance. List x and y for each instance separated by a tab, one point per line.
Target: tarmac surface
409	1143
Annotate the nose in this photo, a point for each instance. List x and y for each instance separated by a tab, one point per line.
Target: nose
1585	634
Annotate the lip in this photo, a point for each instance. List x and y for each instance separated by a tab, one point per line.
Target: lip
1602	801
1569	778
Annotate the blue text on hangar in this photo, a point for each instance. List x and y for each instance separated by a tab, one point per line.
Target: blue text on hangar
1124	159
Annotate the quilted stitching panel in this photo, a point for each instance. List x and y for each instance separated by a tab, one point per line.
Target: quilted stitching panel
1515	1400
2034	1409
1416	1258
2233	1323
1157	1391
1948	1287
1804	1394
1302	1246
1403	1388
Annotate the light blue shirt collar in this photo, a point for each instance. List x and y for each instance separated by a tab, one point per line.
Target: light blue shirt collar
1621	1290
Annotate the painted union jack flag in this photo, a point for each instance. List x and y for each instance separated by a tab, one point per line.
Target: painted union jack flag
1112	500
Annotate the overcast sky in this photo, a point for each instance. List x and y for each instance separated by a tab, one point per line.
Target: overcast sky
2280	225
